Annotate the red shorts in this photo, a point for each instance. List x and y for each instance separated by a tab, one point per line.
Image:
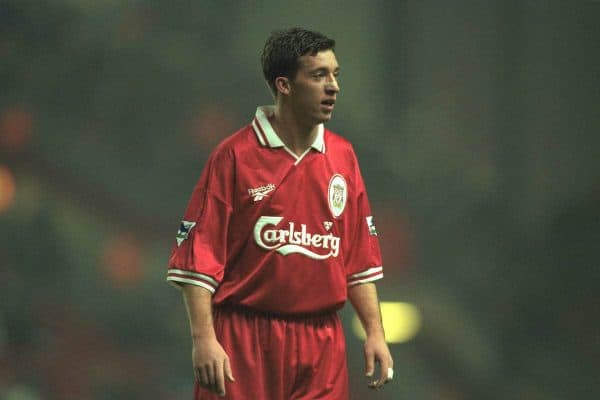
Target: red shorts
278	358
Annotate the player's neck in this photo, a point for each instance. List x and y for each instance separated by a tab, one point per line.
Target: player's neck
293	133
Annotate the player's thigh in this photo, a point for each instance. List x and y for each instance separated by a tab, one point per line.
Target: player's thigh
256	350
323	370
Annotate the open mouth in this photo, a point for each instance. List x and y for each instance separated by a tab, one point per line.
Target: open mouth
328	103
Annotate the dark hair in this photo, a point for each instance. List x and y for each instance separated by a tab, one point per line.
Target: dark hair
283	48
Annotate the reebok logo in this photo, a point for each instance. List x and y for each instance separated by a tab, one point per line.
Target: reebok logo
290	239
261	192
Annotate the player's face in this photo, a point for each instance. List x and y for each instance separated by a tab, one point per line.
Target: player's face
315	87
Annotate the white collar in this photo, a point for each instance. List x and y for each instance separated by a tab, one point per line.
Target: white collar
266	134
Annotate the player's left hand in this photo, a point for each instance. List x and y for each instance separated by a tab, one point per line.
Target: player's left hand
377	352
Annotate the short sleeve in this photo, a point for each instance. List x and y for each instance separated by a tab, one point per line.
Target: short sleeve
199	253
363	257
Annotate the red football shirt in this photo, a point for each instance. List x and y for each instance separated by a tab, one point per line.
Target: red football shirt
276	232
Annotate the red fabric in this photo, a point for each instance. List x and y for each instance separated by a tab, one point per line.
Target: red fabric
282	359
265	233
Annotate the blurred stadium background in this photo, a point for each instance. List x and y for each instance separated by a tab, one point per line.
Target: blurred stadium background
476	124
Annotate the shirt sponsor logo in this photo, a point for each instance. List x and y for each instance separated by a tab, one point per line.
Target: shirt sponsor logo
292	239
338	194
261	192
184	231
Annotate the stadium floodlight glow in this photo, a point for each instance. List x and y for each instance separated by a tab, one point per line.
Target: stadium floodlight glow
401	322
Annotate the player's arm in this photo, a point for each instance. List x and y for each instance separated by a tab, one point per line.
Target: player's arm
211	363
366	304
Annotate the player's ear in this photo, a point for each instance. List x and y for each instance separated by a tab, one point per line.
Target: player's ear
282	84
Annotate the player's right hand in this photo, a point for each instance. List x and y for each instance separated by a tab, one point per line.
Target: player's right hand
211	365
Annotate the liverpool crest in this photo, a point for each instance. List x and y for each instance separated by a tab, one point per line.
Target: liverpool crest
338	194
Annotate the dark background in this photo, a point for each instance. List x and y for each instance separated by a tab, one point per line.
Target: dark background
476	125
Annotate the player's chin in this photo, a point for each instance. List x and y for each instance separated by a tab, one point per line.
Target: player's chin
325	115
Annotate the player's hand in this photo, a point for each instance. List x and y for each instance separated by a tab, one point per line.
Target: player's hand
211	365
377	352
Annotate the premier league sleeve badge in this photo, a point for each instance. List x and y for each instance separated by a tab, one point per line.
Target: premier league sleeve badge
184	231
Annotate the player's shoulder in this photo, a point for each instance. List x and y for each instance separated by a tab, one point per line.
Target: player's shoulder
239	141
337	143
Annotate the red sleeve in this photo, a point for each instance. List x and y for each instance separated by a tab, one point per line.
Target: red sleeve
200	251
363	257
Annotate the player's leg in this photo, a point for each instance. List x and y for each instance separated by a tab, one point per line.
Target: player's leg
322	366
258	354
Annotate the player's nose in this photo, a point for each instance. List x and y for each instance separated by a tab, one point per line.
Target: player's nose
332	85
